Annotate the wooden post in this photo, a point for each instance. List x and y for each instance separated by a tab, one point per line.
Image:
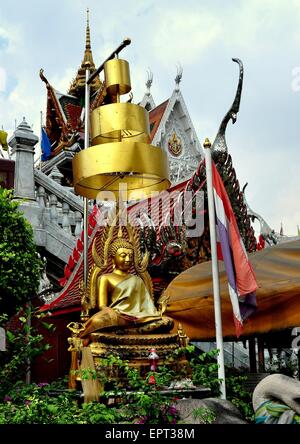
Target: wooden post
252	355
261	355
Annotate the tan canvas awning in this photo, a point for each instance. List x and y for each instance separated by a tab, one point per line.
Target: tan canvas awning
278	296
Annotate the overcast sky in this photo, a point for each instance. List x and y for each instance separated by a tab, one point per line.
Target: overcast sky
201	35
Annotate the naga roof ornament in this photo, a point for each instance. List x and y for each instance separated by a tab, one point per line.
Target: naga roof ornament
220	140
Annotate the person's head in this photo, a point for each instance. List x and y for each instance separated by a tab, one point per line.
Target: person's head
121	252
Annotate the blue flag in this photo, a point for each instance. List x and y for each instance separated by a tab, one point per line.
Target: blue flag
45	145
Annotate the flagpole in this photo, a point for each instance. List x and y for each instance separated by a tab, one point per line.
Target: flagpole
215	268
41	115
85	200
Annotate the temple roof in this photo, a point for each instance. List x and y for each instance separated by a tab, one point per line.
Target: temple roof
155	117
64	125
70	296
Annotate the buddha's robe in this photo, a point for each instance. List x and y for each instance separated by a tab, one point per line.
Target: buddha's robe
130	304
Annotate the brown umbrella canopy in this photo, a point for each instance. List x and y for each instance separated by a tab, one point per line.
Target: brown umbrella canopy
278	295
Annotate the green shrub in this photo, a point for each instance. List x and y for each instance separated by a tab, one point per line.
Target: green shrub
206	415
240	397
24	344
34	404
20	266
144	403
205	372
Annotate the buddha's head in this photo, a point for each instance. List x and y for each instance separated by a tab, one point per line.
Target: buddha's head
121	252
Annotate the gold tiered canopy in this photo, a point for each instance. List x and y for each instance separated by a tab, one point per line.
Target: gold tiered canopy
121	153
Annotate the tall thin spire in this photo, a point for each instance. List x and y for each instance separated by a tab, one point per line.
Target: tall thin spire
78	84
88	35
281	229
88	57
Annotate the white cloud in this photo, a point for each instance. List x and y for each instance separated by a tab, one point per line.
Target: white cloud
61	82
2	79
184	34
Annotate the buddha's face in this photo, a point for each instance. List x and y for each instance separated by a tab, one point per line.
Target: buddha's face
123	259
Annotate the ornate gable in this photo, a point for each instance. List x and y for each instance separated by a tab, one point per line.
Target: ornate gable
173	130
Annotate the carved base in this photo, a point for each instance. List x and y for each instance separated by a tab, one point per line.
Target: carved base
136	349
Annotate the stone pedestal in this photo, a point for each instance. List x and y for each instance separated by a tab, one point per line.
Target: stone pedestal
22	143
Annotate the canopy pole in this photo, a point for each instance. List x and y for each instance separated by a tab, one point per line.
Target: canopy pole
85	200
41	151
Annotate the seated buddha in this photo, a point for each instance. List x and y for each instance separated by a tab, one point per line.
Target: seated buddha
124	300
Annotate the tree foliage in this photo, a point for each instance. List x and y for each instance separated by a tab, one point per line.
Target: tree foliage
20	266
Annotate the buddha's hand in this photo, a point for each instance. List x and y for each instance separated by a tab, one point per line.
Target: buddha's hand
129	318
162	304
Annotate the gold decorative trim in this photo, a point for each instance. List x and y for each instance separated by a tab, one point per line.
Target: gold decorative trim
175	145
141	340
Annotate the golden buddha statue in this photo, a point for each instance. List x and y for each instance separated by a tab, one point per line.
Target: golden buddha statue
125	300
125	320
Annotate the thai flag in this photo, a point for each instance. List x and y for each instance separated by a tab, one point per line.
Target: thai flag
241	278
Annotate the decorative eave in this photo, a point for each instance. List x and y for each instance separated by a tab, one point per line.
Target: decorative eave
56	123
223	161
99	97
63	123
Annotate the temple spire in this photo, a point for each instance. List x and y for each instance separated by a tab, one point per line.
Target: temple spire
88	36
281	229
88	56
77	86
